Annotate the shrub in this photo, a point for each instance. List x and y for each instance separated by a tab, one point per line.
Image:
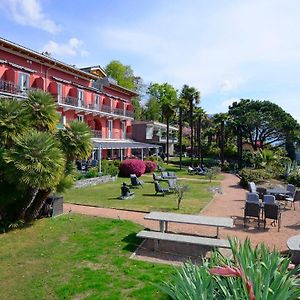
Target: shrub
294	178
213	172
92	172
250	274
150	166
109	167
255	175
132	166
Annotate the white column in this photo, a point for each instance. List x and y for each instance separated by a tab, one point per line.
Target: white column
100	158
121	154
142	154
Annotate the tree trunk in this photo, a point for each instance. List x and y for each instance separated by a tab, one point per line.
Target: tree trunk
222	138
240	147
199	139
168	125
192	133
33	210
180	137
28	200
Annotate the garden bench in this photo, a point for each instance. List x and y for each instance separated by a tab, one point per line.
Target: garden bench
180	238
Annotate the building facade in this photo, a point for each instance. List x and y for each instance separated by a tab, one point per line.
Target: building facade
153	132
86	95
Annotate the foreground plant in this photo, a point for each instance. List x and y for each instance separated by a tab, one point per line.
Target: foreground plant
254	274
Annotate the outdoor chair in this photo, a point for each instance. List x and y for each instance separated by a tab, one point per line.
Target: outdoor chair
252	197
269	199
156	177
252	209
191	170
159	189
135	182
293	199
291	190
168	175
252	187
172	184
271	211
261	191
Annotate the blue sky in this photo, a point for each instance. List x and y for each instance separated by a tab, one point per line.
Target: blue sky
227	49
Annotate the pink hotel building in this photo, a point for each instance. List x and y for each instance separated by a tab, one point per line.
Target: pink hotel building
86	95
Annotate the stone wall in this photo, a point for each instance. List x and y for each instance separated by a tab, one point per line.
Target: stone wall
93	181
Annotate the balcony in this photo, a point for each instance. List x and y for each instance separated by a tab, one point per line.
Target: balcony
119	111
129	114
97	133
106	108
9	87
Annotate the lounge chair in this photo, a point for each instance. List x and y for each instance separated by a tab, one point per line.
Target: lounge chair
125	192
135	182
156	177
159	189
168	175
252	209
271	211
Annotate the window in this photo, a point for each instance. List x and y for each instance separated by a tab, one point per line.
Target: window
97	102
24	80
59	92
149	132
123	133
80	118
110	129
80	98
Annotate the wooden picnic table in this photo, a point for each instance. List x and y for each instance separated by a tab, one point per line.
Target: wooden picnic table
164	218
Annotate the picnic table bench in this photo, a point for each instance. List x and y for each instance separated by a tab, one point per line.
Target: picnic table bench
164	218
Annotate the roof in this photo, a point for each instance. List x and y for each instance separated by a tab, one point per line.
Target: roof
44	58
95	70
122	144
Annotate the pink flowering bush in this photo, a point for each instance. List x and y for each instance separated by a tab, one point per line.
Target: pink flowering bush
132	166
150	166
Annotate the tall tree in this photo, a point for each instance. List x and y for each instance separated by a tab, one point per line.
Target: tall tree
199	116
125	77
192	96
166	95
263	123
152	110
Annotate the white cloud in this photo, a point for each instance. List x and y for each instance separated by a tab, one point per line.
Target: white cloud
29	13
73	47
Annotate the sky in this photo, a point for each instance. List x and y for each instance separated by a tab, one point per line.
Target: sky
227	49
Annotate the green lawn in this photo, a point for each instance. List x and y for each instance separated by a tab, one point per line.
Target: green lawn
106	195
77	257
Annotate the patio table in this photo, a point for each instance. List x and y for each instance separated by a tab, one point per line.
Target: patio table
293	244
277	192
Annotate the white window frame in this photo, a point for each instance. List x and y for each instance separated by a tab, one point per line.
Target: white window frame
123	130
59	92
97	102
110	128
21	81
80	96
80	118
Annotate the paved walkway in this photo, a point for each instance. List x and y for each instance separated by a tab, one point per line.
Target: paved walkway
230	204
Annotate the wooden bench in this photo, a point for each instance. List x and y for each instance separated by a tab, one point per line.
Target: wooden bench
179	238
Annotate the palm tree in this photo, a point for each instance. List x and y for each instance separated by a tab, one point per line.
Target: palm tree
39	164
41	110
199	116
76	141
181	108
13	122
168	110
220	119
191	96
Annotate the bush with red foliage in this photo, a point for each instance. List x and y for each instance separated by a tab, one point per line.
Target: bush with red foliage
150	166
132	166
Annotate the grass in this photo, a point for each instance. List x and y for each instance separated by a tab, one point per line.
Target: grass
106	195
77	257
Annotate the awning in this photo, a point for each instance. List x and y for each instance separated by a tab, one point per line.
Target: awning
122	144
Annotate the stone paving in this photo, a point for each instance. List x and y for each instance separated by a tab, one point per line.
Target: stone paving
228	204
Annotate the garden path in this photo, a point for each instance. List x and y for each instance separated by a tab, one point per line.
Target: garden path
228	204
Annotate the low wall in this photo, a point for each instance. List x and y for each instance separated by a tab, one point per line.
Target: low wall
93	181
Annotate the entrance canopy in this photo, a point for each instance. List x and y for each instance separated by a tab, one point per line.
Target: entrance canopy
122	144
